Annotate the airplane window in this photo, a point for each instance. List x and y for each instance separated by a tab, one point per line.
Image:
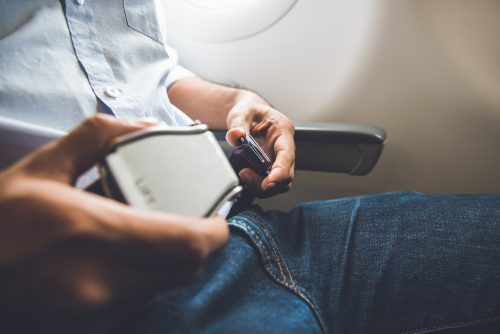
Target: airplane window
223	20
216	4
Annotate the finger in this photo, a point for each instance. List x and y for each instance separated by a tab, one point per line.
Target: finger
239	121
183	240
253	183
151	121
64	212
141	238
167	251
68	157
251	180
234	135
282	171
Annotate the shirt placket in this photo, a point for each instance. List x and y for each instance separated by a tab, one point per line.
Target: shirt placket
90	55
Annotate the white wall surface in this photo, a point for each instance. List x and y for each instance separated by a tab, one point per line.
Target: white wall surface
427	71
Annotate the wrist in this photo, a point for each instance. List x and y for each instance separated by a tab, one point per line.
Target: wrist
247	97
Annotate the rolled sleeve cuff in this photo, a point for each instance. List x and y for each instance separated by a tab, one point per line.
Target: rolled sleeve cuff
176	73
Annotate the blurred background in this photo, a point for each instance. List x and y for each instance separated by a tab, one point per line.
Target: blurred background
426	71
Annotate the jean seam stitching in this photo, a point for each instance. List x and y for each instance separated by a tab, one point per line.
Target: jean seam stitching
453	325
298	290
268	259
258	241
276	252
346	256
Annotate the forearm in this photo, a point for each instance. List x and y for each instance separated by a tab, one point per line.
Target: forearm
206	101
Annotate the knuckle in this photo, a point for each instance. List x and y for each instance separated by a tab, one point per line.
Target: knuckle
96	123
92	295
288	180
195	250
94	289
205	236
98	127
285	123
289	126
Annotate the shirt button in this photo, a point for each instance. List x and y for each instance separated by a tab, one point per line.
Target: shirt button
80	2
111	91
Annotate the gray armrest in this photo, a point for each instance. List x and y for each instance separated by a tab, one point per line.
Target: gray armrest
17	139
333	147
338	147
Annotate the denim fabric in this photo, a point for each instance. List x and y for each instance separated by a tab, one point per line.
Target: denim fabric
390	263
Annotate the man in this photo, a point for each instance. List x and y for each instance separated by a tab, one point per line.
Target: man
71	261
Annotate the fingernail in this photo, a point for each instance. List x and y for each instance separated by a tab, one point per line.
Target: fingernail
243	178
148	121
270	186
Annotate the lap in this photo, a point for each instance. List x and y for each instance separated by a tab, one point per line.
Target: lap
373	264
394	262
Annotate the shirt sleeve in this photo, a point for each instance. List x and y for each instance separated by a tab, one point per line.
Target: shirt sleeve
176	73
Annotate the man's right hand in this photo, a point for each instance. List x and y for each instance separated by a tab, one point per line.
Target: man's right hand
71	258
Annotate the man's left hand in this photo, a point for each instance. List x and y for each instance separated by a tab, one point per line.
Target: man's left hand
275	134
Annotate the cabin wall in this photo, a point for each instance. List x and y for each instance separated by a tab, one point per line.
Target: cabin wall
426	71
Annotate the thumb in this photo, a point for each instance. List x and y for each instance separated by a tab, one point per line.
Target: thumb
239	121
69	156
233	136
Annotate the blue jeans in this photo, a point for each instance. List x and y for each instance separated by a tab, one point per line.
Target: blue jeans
390	263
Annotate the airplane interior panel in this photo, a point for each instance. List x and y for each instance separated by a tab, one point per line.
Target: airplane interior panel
428	72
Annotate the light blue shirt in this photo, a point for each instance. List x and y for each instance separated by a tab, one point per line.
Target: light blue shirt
62	61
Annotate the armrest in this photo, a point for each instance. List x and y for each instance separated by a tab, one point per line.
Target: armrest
338	147
18	138
333	147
